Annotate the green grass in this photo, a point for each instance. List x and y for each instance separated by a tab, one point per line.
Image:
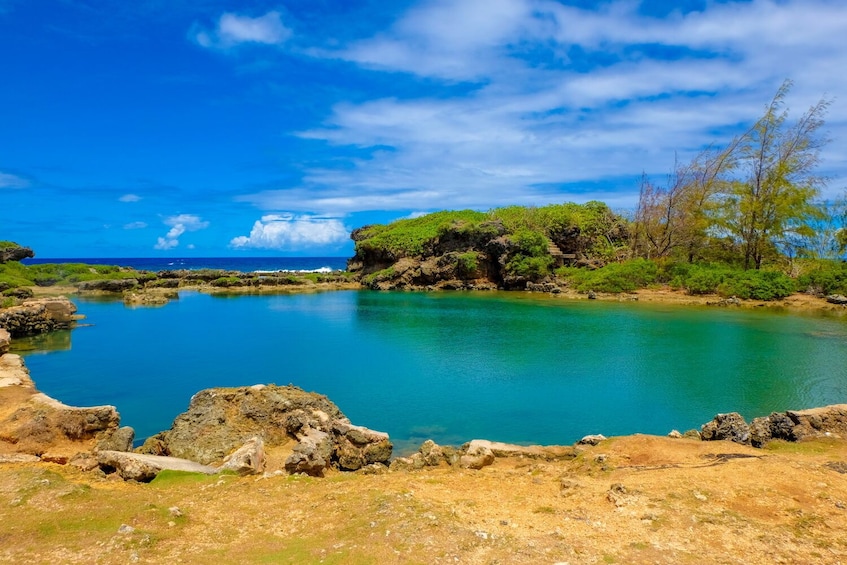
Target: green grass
415	236
15	274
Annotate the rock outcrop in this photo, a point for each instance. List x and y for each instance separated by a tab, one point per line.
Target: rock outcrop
5	340
791	425
15	253
38	316
220	420
33	423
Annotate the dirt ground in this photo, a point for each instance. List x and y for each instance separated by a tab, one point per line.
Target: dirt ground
635	499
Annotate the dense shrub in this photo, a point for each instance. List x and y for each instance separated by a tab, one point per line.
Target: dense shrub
822	277
415	236
529	256
615	277
757	285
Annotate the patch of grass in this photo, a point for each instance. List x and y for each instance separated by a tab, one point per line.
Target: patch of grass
168	478
544	510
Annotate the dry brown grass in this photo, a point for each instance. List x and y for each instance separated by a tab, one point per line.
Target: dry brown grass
638	499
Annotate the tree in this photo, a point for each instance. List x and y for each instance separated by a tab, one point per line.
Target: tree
775	196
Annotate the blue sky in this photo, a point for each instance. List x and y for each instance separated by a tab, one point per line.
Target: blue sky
213	128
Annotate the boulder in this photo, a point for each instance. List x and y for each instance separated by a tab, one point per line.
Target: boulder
476	455
357	447
839	299
144	468
727	427
120	440
592	439
220	420
249	459
312	455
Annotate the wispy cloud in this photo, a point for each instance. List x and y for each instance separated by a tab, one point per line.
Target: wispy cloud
179	224
135	226
12	181
287	231
234	29
555	98
129	198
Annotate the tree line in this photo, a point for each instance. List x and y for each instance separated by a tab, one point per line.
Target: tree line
751	202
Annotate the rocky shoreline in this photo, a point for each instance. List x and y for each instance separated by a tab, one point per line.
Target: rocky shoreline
264	429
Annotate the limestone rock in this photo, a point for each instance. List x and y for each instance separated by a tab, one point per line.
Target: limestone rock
5	340
727	427
144	468
357	446
16	253
837	299
120	440
796	425
312	455
220	420
592	439
477	455
249	459
38	316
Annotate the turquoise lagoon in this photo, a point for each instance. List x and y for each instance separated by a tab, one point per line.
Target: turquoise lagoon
510	367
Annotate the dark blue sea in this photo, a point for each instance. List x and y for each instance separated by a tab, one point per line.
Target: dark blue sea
244	264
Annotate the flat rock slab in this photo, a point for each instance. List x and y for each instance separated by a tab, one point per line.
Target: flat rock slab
545	452
144	468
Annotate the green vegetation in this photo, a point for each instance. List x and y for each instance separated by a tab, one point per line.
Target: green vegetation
15	274
615	277
8	244
411	237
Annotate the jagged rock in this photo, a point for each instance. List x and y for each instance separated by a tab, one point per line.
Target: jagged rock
592	439
675	434
220	420
476	455
249	459
16	253
108	285
411	463
120	440
144	468
692	434
38	316
727	427
357	446
432	453
837	299
5	340
796	425
312	455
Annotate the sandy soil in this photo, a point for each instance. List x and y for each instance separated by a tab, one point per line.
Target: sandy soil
636	499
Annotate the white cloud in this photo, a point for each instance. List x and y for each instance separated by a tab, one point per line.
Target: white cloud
129	198
287	231
233	29
557	99
179	224
12	181
135	226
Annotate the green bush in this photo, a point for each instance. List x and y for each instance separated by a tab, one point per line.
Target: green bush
757	285
823	277
415	236
468	263
615	277
529	256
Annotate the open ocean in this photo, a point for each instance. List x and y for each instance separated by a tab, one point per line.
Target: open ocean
244	264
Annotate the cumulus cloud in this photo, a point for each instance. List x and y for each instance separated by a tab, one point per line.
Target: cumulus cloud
179	224
12	181
135	226
287	231
129	198
233	29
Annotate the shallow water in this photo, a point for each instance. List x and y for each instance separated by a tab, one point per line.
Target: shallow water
454	366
